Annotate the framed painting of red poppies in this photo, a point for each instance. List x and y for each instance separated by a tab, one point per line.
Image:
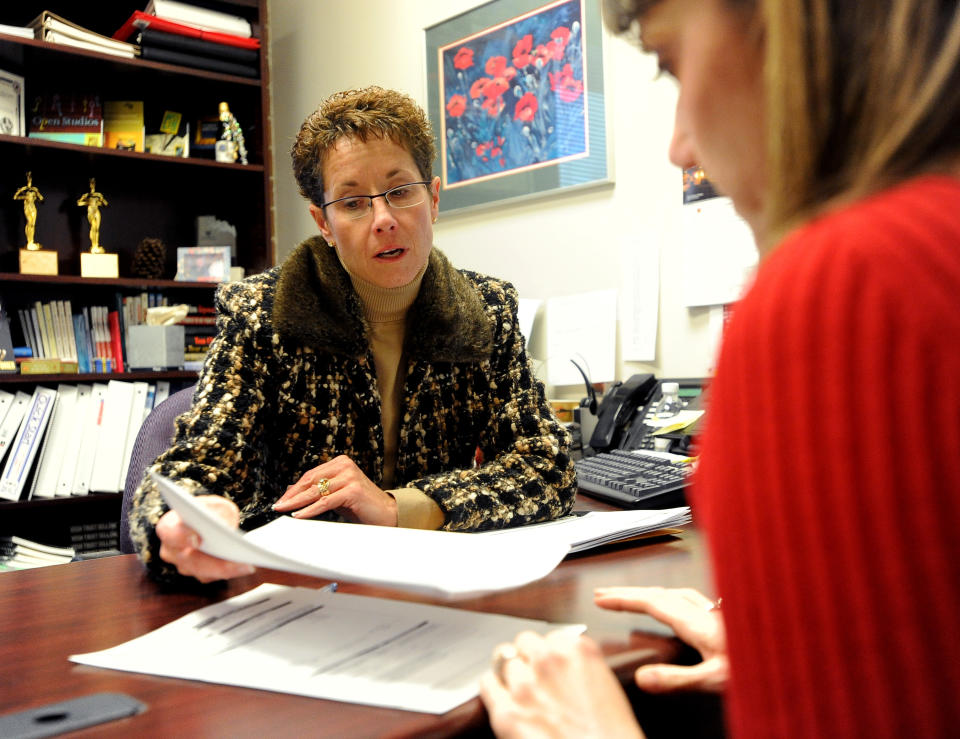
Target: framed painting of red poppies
515	96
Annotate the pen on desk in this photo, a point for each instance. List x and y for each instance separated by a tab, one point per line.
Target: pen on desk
331	588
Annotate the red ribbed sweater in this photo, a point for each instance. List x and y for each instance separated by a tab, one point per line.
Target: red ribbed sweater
829	482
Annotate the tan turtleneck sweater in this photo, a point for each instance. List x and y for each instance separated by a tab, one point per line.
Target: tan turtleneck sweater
385	310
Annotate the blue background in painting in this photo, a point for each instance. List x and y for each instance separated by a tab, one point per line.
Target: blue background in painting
558	128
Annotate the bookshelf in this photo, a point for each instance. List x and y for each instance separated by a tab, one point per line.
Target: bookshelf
150	196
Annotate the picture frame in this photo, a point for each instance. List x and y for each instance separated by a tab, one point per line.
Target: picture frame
516	101
12	108
203	264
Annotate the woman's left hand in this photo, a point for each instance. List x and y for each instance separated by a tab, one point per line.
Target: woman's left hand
339	485
555	686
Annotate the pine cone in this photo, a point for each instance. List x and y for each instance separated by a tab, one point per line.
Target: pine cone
149	258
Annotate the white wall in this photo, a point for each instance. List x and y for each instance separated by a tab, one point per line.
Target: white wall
562	245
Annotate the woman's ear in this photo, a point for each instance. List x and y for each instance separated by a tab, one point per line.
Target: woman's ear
316	212
435	199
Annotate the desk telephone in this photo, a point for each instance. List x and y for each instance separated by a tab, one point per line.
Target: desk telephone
625	407
624	423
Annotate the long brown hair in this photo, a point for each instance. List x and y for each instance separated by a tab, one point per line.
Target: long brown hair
859	94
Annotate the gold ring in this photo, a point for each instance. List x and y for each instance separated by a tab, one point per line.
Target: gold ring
500	658
715	606
323	486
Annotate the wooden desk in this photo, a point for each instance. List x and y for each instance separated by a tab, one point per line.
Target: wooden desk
49	613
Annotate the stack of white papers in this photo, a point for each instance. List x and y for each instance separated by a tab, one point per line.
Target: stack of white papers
327	645
597	528
437	563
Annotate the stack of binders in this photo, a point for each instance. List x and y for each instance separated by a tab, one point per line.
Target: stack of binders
178	33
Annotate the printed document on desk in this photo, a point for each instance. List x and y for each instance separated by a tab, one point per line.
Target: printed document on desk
436	563
328	645
597	528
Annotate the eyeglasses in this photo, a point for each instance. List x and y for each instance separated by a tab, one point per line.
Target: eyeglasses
357	206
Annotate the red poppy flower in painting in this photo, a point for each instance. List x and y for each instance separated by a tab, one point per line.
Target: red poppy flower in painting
493	106
563	83
526	108
464	58
456	106
543	54
495	87
478	87
497	67
560	36
521	52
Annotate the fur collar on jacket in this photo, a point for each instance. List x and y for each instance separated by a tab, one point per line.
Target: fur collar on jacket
316	305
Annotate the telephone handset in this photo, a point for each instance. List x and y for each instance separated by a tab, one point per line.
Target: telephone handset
625	410
618	408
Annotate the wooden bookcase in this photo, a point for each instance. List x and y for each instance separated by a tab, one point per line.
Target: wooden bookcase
149	196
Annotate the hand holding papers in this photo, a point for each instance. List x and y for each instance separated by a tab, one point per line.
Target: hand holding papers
436	563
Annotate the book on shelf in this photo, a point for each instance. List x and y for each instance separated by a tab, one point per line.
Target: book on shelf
111	443
11	421
140	20
6	400
12	107
53	450
197	61
25	446
74	118
163	392
202	18
71	451
116	340
18	31
18	553
123	125
7	355
90	440
139	402
157	39
58	30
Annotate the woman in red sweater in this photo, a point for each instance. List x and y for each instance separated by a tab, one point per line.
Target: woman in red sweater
829	480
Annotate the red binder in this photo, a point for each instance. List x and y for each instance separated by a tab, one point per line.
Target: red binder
140	20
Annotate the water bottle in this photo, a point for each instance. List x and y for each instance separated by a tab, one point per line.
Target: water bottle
669	404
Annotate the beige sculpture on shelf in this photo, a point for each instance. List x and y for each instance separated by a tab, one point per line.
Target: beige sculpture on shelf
30	195
94	200
34	259
96	262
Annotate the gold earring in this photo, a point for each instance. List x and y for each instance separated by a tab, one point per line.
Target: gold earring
434	219
332	244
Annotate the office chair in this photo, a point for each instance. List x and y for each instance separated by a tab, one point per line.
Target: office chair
154	437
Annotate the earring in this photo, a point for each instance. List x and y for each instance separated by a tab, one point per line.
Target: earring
434	219
332	244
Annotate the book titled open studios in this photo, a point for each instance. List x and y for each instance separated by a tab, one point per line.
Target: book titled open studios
435	563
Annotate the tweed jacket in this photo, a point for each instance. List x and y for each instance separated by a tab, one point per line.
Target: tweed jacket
290	383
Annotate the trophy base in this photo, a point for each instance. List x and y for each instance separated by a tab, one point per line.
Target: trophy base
99	265
38	262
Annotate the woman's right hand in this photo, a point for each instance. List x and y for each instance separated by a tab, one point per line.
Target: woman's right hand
694	618
179	543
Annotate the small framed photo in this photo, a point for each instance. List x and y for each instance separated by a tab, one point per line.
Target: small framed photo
12	120
203	264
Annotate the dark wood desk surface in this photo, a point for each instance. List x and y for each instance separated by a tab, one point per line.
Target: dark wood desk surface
49	613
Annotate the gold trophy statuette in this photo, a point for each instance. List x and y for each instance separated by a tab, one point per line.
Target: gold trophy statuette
97	262
34	259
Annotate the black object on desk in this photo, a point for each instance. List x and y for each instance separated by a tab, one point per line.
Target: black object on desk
634	479
71	715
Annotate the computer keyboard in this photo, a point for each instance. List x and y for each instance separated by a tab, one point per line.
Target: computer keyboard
635	480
